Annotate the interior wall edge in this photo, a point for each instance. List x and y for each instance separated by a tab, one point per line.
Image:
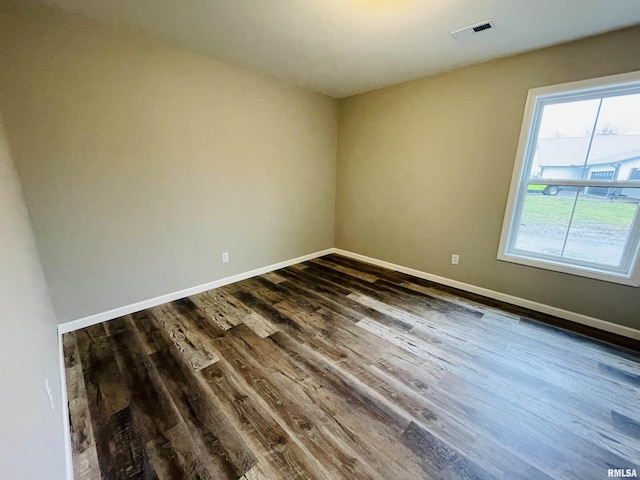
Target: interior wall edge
169	297
503	297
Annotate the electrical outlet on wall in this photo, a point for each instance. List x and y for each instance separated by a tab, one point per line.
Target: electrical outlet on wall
225	257
455	258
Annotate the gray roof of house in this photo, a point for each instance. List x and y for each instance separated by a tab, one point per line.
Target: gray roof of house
570	151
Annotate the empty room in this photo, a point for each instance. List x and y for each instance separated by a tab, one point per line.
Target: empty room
319	239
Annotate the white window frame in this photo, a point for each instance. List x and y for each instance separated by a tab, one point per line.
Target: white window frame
629	274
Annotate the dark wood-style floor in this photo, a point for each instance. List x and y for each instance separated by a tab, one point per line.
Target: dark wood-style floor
335	369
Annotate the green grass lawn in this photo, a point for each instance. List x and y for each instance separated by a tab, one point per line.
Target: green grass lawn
542	210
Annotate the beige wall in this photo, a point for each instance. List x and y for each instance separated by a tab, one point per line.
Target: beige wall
141	164
424	171
31	441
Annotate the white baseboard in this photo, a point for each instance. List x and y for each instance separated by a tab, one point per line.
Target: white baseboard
64	407
169	297
503	297
135	307
485	292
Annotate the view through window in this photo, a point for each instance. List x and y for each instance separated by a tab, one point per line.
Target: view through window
576	204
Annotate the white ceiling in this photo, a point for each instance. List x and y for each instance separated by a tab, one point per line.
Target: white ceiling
343	47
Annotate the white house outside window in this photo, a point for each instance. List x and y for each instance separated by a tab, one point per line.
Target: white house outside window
575	193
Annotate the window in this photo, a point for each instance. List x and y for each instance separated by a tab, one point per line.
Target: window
574	200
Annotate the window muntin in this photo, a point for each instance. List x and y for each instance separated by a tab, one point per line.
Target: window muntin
575	194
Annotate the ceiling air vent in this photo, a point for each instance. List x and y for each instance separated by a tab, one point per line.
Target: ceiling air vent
471	29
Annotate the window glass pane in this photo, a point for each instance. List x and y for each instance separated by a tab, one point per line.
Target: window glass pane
596	231
615	150
563	140
601	225
545	219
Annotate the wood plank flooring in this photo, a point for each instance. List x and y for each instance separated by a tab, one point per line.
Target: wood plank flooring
336	369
